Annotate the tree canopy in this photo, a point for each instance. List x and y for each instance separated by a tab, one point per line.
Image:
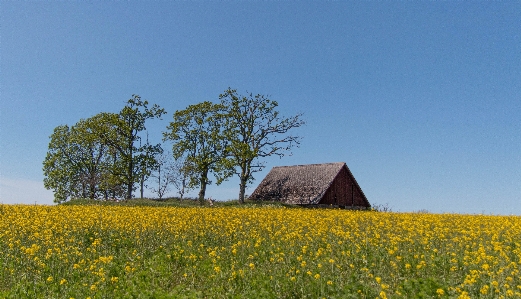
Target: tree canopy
100	156
254	130
122	134
104	156
197	136
77	164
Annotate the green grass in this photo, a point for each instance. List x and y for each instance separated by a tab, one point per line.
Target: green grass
175	202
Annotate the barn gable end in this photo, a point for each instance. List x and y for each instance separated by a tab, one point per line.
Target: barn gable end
313	184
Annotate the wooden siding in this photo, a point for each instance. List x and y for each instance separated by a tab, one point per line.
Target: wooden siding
344	191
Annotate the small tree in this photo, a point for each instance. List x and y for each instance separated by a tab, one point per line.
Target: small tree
112	184
170	172
162	176
98	155
254	129
77	163
182	171
59	164
124	136
197	135
147	162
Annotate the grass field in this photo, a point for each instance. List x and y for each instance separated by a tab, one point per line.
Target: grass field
172	251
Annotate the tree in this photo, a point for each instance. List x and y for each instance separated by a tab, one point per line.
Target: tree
197	135
182	171
254	129
147	162
162	176
76	164
123	134
112	185
170	172
59	164
97	156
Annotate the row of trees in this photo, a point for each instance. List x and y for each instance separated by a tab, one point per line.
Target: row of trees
101	156
107	155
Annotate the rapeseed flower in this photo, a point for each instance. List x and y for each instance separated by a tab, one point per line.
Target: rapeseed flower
93	247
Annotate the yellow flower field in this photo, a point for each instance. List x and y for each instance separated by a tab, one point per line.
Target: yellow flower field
168	252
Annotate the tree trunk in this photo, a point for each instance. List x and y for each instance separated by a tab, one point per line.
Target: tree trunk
83	190
142	183
182	192
202	191
129	190
130	181
242	189
130	170
92	192
244	181
160	193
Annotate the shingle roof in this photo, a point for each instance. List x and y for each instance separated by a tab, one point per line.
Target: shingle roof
300	184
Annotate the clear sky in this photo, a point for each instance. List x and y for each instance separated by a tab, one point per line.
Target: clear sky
422	100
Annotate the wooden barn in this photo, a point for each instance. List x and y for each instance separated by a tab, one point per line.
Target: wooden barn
329	184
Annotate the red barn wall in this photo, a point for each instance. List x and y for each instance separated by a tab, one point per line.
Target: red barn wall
345	190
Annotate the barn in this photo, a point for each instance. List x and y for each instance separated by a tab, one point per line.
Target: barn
328	184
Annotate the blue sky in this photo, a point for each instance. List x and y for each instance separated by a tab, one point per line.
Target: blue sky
422	100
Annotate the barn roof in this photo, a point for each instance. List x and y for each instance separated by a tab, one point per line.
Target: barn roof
300	184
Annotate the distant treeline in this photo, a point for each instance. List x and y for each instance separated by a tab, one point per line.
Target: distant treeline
109	156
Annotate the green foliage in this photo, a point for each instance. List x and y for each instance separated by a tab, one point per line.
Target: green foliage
57	167
197	136
99	156
421	288
105	156
77	164
254	129
127	125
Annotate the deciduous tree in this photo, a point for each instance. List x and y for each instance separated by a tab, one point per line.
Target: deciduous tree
98	155
168	173
197	135
254	129
124	136
77	163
